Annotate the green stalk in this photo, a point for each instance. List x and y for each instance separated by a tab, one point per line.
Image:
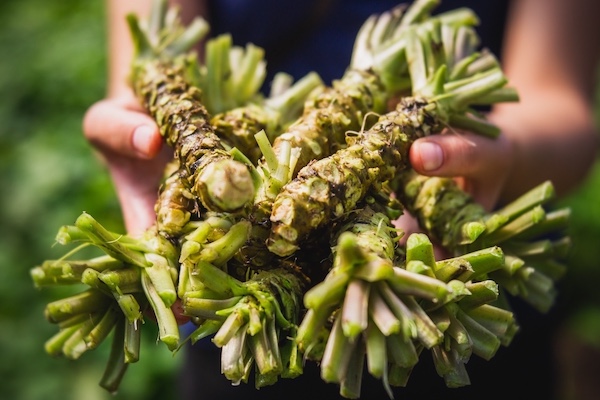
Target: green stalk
456	268
116	366
103	328
381	315
450	366
427	332
109	242
132	342
233	357
42	278
207	308
554	221
554	269
485	344
230	327
336	354
415	284
498	320
74	320
457	331
420	248
328	292
218	280
350	386
160	275
168	330
400	310
129	306
482	292
376	351
401	352
398	376
265	349
538	195
354	317
312	330
206	329
75	268
119	281
482	261
86	302
76	344
218	70
221	250
513	228
291	358
54	345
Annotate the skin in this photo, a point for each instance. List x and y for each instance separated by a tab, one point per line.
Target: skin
551	54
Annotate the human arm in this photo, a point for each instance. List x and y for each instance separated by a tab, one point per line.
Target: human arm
117	126
551	52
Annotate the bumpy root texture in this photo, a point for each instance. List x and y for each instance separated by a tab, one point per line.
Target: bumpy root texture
160	77
327	188
532	235
322	127
331	187
184	123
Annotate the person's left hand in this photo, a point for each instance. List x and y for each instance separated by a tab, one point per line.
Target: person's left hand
480	165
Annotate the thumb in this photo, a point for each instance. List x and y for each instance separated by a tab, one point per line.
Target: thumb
465	154
110	126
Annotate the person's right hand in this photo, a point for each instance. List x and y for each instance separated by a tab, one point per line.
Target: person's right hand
130	143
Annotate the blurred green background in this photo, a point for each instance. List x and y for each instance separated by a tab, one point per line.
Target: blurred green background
52	68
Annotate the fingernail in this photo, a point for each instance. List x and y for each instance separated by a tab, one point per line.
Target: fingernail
431	155
142	139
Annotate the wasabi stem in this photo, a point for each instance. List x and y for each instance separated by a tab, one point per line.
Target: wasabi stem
529	242
330	187
103	328
116	366
86	302
272	115
159	80
167	325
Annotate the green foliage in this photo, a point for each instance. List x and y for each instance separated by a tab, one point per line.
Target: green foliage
580	286
53	68
580	298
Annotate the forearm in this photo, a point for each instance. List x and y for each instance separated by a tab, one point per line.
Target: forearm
120	46
554	137
552	49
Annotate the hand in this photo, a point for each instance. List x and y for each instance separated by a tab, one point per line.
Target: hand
130	143
480	165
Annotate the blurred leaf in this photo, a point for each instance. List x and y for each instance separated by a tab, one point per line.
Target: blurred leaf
52	70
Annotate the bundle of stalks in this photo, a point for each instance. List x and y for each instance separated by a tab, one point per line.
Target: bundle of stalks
274	228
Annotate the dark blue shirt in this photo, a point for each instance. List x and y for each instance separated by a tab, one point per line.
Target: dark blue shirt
318	35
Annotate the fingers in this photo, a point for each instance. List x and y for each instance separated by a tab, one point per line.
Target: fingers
480	165
460	154
136	183
130	142
122	128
